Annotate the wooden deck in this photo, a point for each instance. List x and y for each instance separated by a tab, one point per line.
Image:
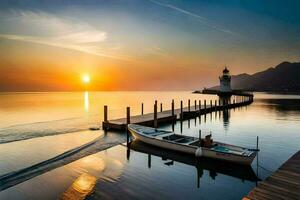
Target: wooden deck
282	184
166	116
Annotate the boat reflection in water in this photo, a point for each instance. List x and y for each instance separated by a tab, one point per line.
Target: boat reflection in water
243	172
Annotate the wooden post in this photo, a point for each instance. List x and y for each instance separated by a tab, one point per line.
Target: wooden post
181	110
161	108
155	115
149	161
195	105
210	104
215	105
189	105
105	113
200	136
199	105
257	143
128	115
127	122
142	108
205	105
173	107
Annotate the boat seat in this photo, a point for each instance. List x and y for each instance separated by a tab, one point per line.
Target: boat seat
155	132
184	140
149	132
173	137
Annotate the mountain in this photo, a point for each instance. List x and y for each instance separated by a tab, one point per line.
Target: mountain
285	77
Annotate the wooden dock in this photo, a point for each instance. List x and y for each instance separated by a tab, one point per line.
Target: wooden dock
282	184
152	119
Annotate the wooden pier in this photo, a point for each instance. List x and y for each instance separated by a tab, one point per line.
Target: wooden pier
182	113
282	184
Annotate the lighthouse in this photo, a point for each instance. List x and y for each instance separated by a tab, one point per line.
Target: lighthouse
225	87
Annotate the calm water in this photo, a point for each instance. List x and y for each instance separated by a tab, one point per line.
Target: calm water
29	115
142	171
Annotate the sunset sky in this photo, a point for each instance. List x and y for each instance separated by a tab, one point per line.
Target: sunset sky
141	44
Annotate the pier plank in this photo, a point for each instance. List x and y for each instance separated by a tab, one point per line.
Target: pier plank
282	184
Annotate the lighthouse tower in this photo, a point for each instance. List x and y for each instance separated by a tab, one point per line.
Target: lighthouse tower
225	82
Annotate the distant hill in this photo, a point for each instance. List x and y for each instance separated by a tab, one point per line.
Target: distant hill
285	77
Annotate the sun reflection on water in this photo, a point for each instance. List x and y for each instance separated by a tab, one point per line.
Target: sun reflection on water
86	101
81	187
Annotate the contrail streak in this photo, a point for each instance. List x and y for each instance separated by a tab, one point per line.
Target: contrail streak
201	19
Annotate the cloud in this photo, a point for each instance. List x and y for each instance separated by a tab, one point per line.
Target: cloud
47	29
201	19
155	50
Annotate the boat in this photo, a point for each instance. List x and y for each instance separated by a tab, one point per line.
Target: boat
213	166
192	145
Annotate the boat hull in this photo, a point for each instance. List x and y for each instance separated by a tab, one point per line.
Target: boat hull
164	144
228	157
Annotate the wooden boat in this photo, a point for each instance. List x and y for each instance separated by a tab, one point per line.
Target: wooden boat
192	145
213	166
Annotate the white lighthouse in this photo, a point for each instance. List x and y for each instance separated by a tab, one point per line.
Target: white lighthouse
225	79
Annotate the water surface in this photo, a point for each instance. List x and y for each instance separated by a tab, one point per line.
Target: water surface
136	173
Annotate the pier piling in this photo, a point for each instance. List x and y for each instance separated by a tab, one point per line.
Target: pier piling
173	113
155	115
128	115
189	105
215	105
127	122
181	110
142	109
199	107
200	135
105	113
161	107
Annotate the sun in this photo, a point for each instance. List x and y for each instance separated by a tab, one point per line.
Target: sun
86	78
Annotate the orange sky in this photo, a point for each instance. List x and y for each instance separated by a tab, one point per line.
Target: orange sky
144	45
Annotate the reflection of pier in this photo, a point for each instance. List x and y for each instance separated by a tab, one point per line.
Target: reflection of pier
155	118
213	166
233	92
